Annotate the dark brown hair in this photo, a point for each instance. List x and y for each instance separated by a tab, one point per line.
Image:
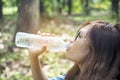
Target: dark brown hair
103	60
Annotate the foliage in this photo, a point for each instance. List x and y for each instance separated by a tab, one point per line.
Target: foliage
9	10
9	7
51	6
9	3
77	7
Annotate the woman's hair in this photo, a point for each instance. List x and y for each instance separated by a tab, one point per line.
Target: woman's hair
103	60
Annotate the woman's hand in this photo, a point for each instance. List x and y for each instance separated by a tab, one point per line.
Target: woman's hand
36	67
37	51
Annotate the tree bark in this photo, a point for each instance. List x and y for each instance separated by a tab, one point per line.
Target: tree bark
42	7
115	8
64	3
1	14
86	7
69	7
28	20
29	17
59	6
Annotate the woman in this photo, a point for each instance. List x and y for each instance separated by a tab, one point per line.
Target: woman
95	51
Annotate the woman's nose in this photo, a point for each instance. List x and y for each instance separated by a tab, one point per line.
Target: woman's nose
69	44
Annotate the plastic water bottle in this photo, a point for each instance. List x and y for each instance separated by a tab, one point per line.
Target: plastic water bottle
27	40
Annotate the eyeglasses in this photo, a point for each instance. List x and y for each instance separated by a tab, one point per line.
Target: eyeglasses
77	35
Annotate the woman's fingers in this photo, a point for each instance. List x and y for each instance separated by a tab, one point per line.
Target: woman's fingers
45	34
43	49
38	32
37	51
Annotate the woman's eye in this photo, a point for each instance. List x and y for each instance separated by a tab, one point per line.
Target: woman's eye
80	36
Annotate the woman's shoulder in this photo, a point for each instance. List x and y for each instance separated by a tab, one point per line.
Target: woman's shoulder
60	77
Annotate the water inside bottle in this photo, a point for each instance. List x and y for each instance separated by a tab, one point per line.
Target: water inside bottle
26	40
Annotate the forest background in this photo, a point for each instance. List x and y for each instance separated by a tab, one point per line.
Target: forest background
61	17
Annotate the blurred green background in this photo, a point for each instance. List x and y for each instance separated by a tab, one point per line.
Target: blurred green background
61	17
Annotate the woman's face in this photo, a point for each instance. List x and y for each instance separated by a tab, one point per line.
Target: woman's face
79	48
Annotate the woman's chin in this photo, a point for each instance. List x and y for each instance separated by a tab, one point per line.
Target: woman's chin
68	56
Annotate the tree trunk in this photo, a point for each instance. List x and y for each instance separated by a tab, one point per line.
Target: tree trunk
29	17
64	3
42	8
85	4
59	6
28	20
1	14
69	7
115	8
86	7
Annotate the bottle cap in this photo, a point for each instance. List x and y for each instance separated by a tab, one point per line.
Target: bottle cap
67	45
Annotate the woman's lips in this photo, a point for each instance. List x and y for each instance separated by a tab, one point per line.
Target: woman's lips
68	49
